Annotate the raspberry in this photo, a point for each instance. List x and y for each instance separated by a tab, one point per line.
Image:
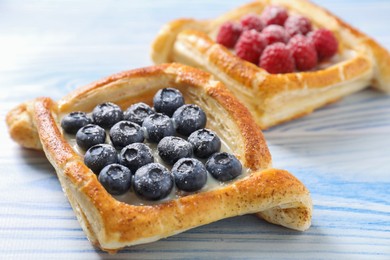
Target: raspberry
274	15
275	33
229	33
297	25
252	21
325	43
304	52
277	58
250	45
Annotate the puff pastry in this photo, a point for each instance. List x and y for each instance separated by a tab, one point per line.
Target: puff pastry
275	195
275	98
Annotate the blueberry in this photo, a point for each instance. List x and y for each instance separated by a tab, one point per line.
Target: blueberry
153	182
135	156
158	126
115	178
189	118
90	135
137	113
72	122
99	156
124	133
107	114
167	100
224	166
173	148
205	142
190	174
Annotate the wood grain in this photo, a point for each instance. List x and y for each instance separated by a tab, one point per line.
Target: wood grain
341	152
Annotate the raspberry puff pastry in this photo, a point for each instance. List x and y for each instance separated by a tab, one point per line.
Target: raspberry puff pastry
275	98
274	195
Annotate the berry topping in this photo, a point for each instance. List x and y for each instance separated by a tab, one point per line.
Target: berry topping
172	148
304	52
325	43
124	133
277	58
253	39
274	15
137	113
107	114
229	33
190	174
158	126
72	122
90	135
224	166
189	118
252	21
127	164
135	156
167	100
99	156
153	182
275	33
250	45
204	142
297	25
115	178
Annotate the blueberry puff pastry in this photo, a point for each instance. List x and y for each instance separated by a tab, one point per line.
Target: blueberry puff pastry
111	224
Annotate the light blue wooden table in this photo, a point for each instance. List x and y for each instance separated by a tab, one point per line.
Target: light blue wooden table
342	152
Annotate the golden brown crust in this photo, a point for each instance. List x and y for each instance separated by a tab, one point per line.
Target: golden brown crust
111	224
275	98
21	127
168	34
56	148
103	88
255	144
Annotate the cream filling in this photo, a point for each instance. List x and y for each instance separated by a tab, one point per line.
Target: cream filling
131	198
